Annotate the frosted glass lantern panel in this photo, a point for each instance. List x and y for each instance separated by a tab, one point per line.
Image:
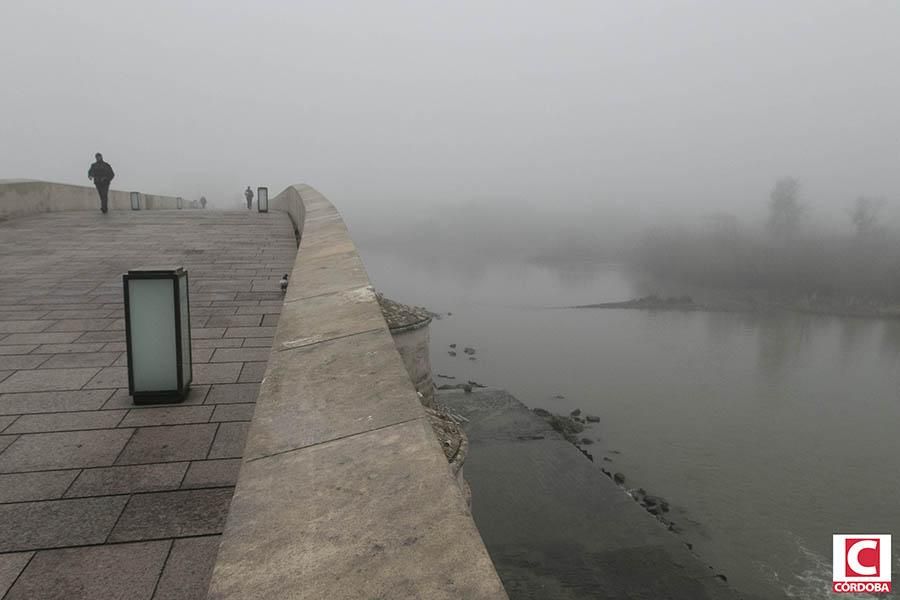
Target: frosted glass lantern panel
262	199
186	362
152	311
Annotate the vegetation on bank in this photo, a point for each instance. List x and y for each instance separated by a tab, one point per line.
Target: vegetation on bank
785	259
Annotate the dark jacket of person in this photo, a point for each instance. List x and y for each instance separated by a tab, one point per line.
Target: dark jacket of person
101	172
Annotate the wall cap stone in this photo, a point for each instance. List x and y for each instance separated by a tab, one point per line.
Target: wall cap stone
343	492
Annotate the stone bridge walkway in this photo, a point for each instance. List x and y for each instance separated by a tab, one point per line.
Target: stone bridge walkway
99	498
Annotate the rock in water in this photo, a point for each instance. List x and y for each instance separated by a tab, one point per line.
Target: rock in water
453	345
541	412
619	478
452	353
469	350
593	419
565	425
575	413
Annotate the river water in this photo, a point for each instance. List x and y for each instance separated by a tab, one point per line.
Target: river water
767	433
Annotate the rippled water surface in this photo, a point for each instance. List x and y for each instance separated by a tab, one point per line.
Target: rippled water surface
767	433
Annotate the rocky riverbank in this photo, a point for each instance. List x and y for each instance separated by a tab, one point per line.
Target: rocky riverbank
555	526
573	427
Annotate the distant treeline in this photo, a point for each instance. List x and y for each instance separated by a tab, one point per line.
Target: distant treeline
784	257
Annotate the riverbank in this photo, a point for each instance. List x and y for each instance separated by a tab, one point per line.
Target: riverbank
555	525
864	310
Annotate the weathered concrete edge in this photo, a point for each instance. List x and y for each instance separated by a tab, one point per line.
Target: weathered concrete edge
376	513
24	197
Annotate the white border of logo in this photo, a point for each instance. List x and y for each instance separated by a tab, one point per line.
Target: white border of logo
839	558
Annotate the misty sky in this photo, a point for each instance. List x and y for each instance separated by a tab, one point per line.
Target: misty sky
618	107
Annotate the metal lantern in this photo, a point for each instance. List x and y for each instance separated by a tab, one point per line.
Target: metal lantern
262	199
179	201
135	201
158	334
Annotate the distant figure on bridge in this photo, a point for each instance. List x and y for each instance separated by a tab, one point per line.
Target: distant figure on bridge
248	194
202	201
102	174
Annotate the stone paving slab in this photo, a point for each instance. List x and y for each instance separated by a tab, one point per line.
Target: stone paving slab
41	485
241	354
188	569
24	326
57	523
217	373
112	572
215	342
10	567
74	449
130	479
6	441
234	321
21	349
108	377
64	450
83	359
23	361
39	338
212	473
121	399
227	394
43	402
230	439
167	415
252	372
82	325
173	514
72	421
167	444
63	348
231	412
5	421
51	379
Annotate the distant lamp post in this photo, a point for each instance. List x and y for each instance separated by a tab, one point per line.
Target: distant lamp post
135	201
262	199
157	334
179	201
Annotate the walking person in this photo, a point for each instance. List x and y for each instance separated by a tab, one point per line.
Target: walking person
202	201
102	174
248	194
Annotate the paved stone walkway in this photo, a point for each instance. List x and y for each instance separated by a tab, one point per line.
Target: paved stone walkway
98	498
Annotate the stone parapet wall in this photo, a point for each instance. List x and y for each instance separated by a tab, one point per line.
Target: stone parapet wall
344	491
24	197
